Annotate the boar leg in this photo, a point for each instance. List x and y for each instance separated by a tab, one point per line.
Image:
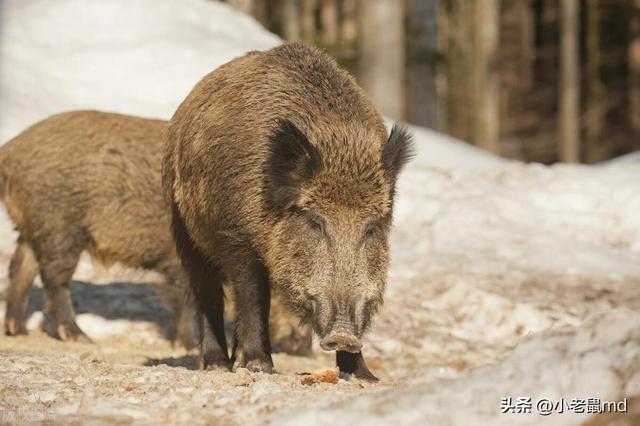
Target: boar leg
353	363
205	281
285	331
23	269
184	325
187	326
252	348
58	258
213	343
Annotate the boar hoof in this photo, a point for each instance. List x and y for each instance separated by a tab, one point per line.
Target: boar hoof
71	332
366	374
220	368
255	365
353	363
15	327
214	362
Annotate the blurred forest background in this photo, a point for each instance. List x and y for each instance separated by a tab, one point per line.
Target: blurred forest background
534	80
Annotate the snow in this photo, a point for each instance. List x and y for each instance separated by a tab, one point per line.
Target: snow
140	57
566	219
631	158
507	279
440	151
598	360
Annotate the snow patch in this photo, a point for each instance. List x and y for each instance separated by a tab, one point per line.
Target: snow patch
592	361
139	57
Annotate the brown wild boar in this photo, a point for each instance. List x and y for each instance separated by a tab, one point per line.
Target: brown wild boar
282	177
91	180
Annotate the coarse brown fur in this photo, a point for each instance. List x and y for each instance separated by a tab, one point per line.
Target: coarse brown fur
281	176
79	181
91	180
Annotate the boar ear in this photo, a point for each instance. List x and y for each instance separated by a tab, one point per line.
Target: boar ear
292	161
397	151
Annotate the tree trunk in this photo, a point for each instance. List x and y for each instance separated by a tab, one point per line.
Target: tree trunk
421	74
527	42
329	22
382	54
291	20
260	11
348	22
454	85
569	143
595	150
486	90
442	82
634	73
308	20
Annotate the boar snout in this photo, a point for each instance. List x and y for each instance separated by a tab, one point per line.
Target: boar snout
341	337
340	341
333	322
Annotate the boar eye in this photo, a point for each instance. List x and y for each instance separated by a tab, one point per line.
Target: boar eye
316	225
315	222
371	229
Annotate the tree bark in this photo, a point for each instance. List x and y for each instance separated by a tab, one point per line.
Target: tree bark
442	86
382	54
421	74
455	68
569	143
291	17
486	82
348	22
595	150
634	72
527	42
329	22
308	20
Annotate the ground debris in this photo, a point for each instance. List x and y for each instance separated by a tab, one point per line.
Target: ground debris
329	375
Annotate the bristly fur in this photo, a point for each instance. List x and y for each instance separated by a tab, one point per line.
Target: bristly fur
287	127
292	161
398	150
87	180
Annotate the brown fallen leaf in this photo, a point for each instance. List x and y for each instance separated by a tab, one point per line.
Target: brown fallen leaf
329	375
457	365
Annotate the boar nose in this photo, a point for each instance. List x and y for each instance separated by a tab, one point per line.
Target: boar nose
336	341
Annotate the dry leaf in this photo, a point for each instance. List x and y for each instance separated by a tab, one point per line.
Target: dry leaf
330	375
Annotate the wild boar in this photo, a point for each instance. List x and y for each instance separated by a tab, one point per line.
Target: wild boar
90	180
281	177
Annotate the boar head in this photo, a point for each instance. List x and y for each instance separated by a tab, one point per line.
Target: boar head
333	201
